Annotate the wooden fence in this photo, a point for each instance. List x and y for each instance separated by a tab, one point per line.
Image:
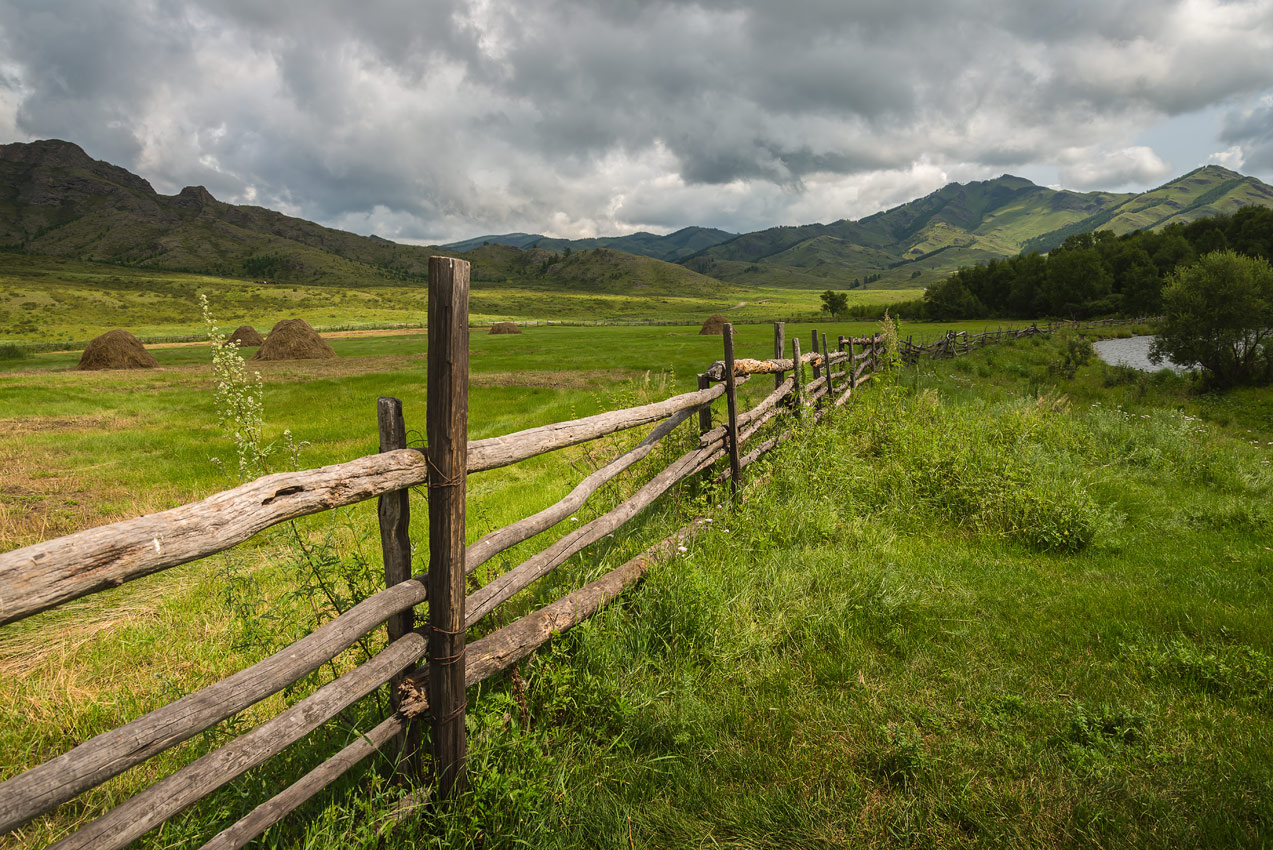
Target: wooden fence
953	344
47	574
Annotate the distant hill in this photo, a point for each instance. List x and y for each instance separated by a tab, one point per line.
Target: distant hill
673	247
1203	192
963	224
58	201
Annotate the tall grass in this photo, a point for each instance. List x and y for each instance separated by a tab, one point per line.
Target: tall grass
985	604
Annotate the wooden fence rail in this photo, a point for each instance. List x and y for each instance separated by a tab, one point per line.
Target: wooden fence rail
954	343
41	576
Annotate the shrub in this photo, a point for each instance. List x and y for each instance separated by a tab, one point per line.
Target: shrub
1219	315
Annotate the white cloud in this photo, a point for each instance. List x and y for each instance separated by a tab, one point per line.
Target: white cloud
1231	158
1091	168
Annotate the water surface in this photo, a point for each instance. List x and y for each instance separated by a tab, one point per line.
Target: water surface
1132	351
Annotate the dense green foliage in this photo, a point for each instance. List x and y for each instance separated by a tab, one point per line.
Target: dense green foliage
1218	314
1096	274
834	304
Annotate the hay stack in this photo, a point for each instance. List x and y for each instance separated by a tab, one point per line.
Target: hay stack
117	349
294	339
714	324
505	328
246	335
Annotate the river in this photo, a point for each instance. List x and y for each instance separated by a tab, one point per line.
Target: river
1134	352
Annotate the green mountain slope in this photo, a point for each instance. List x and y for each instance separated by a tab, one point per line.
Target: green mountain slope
674	246
1207	191
916	242
963	224
57	201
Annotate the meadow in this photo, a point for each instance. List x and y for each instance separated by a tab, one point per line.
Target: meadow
987	604
46	299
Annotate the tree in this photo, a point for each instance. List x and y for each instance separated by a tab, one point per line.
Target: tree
1219	315
835	303
1076	278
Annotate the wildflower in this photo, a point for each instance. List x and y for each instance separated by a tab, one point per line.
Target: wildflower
574	519
681	549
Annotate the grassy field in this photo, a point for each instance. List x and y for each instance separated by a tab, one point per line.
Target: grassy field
45	299
989	605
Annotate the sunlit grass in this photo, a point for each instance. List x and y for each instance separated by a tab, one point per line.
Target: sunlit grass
988	606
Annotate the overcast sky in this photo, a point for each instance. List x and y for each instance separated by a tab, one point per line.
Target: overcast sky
436	120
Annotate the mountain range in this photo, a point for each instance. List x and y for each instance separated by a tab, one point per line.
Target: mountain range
56	200
958	225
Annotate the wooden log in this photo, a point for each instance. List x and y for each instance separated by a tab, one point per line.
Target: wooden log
770	401
52	783
43	575
731	407
447	420
495	452
264	816
750	431
704	412
502	649
151	807
37	577
780	348
744	366
393	510
510	535
483	601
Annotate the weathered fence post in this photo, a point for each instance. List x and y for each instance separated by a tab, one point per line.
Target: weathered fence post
780	345
731	401
447	431
797	375
829	398
394	512
852	366
704	412
814	348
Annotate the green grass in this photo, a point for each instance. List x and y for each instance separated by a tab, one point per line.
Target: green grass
45	300
986	606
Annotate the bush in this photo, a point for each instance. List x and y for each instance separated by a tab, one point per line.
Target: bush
1219	315
9	351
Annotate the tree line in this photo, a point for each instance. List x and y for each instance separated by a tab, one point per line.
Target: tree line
1096	274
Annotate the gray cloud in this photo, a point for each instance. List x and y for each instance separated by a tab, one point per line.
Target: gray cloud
447	118
1252	131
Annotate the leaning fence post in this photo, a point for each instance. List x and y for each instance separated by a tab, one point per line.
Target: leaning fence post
447	455
704	412
731	401
797	375
394	513
780	344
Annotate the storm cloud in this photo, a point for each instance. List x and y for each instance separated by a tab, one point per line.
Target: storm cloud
445	119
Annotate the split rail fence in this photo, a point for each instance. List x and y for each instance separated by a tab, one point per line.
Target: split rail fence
953	344
44	575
